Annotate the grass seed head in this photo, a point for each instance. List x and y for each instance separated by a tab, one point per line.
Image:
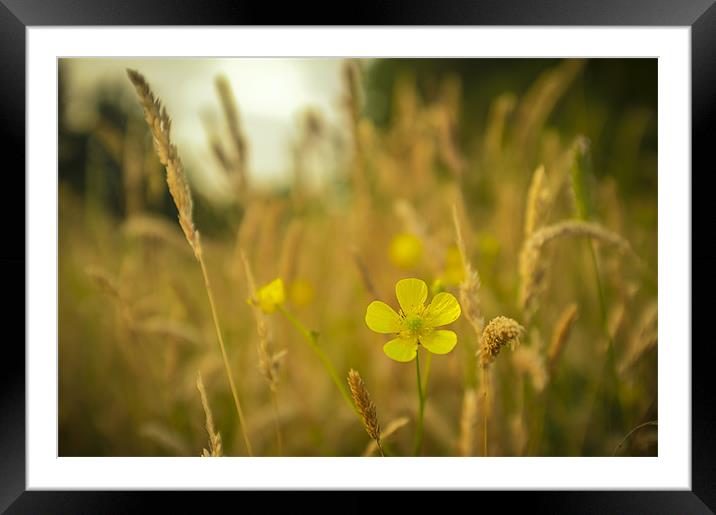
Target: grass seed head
160	125
365	405
498	333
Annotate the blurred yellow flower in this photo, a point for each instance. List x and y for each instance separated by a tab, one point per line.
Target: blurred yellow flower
301	293
415	324
454	272
488	245
406	251
270	296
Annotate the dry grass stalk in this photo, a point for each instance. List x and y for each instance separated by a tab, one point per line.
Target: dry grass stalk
268	241
499	332
365	406
110	137
485	386
537	201
110	287
364	273
247	234
215	447
353	104
171	441
106	283
562	164
532	267
269	363
290	250
560	335
215	144
309	151
467	422
518	430
444	116
127	312
646	337
158	120
446	142
354	94
231	111
219	153
160	124
170	329
540	100
500	110
616	318
386	433
528	360
154	229
470	286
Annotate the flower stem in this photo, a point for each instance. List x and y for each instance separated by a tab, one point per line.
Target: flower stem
227	367
421	407
311	338
426	371
485	408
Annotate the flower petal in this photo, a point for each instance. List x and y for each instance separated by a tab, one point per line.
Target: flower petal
443	309
271	295
411	294
406	251
401	349
381	318
439	342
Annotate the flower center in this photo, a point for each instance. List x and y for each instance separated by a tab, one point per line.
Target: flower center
413	323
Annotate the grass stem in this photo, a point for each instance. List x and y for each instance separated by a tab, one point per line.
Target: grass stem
485	387
227	367
277	425
628	435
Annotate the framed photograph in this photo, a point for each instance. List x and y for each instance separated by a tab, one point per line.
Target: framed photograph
446	249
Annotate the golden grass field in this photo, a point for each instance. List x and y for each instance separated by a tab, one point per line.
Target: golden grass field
171	344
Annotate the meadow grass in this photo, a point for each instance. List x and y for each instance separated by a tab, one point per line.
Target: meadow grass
499	222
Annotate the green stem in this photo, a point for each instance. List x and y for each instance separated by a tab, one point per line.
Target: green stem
537	423
311	338
608	372
426	373
421	407
602	297
609	363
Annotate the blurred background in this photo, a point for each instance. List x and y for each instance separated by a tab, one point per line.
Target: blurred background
340	177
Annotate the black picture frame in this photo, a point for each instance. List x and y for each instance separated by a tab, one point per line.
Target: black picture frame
17	15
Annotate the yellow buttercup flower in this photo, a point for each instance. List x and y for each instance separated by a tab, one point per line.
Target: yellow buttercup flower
270	296
454	272
415	324
406	251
